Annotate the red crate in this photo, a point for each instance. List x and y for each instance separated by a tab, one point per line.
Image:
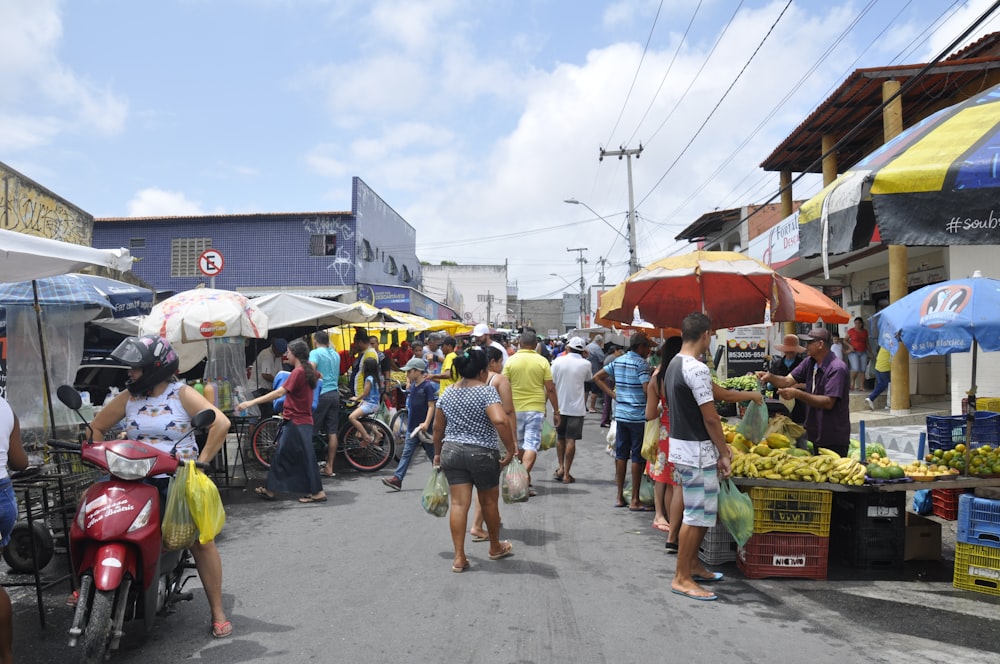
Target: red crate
784	554
945	503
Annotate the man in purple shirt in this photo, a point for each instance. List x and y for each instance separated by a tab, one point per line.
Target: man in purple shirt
825	392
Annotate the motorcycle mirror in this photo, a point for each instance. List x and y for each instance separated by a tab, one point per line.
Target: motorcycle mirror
203	418
69	397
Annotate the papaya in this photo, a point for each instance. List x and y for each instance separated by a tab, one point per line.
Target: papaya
778	440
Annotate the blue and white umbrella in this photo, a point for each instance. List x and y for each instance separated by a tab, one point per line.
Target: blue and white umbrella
115	299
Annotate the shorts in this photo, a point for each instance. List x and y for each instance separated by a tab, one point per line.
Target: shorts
591	387
8	511
368	408
327	415
471	464
858	360
700	488
628	441
529	429
570	427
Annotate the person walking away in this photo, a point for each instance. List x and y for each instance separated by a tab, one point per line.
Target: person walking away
482	337
630	373
326	361
825	392
667	500
293	467
421	402
531	384
446	377
793	355
570	373
860	353
157	408
612	353
12	456
883	369
495	378
595	355
468	424
698	451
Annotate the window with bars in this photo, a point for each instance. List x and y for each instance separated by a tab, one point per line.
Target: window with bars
184	252
137	243
323	245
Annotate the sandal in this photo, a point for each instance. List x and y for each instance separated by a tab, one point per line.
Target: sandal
222	630
508	550
311	499
262	493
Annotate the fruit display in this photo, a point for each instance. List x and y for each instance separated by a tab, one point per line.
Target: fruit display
922	472
798	465
983	460
883	468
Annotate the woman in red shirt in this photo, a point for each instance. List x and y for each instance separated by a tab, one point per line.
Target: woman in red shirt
857	359
293	467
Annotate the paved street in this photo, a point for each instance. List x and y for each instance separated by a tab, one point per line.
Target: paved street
367	578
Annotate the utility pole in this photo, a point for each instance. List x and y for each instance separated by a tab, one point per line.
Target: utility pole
602	261
583	306
633	263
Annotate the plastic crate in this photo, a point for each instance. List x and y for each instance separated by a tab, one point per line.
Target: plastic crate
945	503
869	530
977	568
991	404
978	521
946	431
718	547
784	554
791	511
864	510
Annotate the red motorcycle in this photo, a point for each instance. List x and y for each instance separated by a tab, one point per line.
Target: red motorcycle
115	540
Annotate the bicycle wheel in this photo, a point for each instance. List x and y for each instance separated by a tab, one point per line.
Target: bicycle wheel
399	428
368	457
264	439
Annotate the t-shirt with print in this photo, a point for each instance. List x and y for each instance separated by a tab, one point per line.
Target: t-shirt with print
161	421
327	363
418	400
467	423
688	385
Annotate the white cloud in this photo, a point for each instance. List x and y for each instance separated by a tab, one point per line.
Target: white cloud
156	202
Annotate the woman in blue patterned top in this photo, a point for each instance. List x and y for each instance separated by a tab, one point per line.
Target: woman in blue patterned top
469	425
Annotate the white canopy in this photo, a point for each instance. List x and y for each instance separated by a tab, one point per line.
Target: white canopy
291	310
25	257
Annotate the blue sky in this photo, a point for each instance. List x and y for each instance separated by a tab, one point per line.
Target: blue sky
473	120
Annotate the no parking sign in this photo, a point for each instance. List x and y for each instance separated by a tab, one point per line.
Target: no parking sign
211	262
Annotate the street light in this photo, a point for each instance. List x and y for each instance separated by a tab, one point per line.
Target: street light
633	264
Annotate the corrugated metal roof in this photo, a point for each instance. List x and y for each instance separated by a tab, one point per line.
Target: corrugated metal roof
328	292
233	216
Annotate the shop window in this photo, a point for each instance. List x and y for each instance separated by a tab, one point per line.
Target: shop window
137	243
184	253
323	245
367	254
407	277
390	266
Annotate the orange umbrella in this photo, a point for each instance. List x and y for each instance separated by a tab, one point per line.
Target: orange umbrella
811	304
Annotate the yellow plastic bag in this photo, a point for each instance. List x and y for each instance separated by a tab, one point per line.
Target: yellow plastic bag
651	441
548	435
178	528
205	504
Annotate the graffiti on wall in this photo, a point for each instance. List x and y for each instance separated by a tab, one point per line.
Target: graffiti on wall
28	208
344	231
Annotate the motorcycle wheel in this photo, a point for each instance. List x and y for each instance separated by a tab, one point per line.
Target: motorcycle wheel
265	440
399	430
364	457
17	553
93	643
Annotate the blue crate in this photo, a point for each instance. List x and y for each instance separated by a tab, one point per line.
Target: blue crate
946	431
978	521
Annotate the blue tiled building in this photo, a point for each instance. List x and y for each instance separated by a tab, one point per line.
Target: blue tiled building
323	254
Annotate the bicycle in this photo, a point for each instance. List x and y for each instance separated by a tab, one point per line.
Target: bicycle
366	457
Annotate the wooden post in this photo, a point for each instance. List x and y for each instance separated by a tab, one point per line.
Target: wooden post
899	393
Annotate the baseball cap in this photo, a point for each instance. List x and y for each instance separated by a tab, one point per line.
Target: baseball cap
280	345
576	343
816	334
480	329
415	363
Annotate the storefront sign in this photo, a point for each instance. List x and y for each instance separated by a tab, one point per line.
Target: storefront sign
779	245
745	350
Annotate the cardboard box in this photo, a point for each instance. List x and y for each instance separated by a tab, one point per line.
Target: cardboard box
923	538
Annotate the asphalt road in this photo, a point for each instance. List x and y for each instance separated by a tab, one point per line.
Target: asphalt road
367	577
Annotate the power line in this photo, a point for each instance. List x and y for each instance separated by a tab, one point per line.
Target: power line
636	76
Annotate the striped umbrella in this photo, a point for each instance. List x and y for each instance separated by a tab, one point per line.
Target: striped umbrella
935	184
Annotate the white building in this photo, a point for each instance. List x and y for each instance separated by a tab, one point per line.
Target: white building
477	292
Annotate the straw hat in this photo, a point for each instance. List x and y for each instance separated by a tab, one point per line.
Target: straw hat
790	344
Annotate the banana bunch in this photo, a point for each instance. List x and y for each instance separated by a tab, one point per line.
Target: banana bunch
781	466
847	471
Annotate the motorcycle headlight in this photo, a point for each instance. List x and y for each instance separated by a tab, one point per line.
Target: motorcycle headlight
143	518
128	469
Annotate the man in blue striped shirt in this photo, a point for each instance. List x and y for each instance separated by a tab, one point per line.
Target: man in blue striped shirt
630	373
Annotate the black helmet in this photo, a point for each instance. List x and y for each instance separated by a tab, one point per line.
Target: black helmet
151	353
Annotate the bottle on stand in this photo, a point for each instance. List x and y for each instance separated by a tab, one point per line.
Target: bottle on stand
210	393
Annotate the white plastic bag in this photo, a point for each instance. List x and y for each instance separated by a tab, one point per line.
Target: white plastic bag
612	432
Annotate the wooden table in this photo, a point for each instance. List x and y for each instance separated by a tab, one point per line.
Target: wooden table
961	483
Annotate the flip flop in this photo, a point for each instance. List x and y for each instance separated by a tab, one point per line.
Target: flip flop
568	479
621	504
480	538
327	474
716	576
671	547
557	476
310	499
459	570
262	493
508	550
644	508
222	630
700	598
662	527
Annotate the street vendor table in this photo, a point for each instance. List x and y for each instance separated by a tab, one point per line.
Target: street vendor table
961	483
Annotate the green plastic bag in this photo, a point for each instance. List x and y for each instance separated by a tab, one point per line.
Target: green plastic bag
754	424
647	493
548	435
178	529
435	496
735	511
205	504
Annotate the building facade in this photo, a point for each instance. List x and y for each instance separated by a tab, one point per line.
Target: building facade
479	293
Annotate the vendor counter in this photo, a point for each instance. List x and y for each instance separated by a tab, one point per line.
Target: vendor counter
960	483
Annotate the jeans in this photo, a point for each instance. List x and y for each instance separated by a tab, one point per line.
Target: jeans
881	382
409	447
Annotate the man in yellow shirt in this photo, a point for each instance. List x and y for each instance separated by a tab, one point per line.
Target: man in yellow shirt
446	379
531	385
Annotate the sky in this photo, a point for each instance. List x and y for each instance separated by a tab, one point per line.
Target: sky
475	121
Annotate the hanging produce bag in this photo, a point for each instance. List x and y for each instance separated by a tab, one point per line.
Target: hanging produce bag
548	435
735	511
647	493
178	527
205	504
514	482
651	440
754	424
435	496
